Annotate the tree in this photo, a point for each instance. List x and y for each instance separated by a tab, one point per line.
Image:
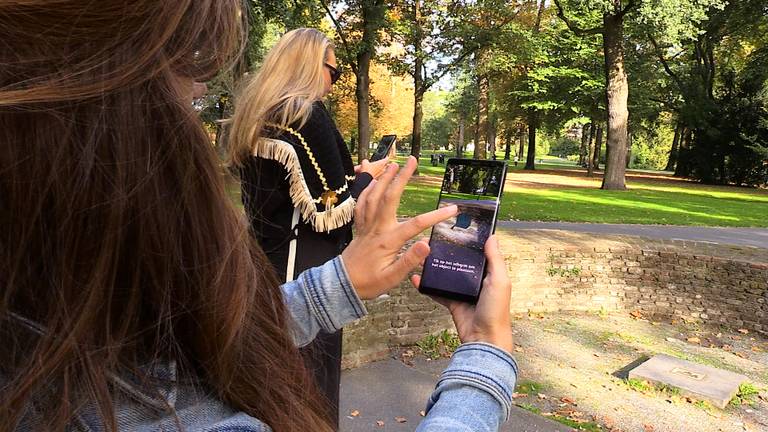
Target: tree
362	19
669	19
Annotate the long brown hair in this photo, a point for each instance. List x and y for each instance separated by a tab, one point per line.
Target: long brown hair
116	235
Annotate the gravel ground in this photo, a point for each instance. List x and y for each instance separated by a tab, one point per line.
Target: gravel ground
574	364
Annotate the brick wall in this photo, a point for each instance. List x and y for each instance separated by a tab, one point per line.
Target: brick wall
578	272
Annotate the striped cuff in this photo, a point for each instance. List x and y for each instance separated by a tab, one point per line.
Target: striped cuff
331	296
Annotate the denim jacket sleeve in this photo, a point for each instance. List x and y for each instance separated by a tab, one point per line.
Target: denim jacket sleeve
321	298
473	394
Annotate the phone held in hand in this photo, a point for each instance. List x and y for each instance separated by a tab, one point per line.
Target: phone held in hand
456	264
385	145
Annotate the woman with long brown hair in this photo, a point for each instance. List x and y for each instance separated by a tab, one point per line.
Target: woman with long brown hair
131	297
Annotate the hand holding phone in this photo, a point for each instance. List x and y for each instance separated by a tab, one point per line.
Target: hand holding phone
487	321
385	146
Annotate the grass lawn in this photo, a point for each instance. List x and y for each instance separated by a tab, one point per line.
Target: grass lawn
556	192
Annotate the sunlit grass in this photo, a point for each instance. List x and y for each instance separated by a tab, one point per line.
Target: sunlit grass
643	203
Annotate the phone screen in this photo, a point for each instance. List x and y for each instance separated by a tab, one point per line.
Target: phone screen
456	265
384	145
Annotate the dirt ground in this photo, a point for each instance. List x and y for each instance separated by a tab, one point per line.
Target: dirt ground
571	365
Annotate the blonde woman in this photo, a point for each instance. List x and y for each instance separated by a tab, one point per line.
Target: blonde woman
298	181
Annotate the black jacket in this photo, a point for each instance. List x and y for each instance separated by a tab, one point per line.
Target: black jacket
272	189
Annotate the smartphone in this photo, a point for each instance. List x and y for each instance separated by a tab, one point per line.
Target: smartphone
456	264
386	143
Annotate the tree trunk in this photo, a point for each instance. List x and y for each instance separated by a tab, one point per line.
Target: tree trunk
477	131
460	142
352	144
533	122
629	149
508	138
683	168
482	109
617	93
362	91
416	133
418	86
598	147
373	16
521	149
588	158
490	138
672	161
584	143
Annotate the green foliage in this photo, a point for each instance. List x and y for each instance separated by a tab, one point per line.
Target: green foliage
439	345
747	395
651	145
565	147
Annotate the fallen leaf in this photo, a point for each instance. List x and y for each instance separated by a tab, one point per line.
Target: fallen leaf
757	349
694	340
742	355
727	348
354	413
647	428
596	354
518	349
743	331
422	413
567	400
519	395
636	314
400	419
379	423
671	339
542	396
547	414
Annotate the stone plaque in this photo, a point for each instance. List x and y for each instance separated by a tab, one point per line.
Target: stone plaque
716	386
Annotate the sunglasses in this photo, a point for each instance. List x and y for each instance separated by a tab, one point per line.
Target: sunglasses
335	73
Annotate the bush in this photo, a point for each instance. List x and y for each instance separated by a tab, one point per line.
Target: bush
565	147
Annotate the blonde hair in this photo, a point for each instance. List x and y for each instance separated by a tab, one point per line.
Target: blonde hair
289	81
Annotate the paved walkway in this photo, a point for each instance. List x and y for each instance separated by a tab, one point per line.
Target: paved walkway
752	237
384	390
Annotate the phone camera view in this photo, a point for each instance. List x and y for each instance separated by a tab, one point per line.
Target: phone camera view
456	261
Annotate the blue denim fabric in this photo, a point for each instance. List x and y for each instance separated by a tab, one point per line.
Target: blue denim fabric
473	394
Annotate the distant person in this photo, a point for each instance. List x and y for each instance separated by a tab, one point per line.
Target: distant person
299	184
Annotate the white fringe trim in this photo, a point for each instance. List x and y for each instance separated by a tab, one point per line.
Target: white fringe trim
284	153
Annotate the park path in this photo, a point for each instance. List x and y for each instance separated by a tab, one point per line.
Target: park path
751	237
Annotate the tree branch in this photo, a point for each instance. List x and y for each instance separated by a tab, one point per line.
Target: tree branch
628	8
352	64
575	28
664	62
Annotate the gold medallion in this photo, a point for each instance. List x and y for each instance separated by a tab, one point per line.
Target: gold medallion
329	199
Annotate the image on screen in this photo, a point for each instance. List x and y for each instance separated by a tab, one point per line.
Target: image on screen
457	260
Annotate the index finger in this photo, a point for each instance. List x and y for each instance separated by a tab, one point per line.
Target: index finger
397	186
414	226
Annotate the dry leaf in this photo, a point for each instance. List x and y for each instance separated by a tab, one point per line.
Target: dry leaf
694	340
519	395
727	348
647	428
518	349
742	355
354	413
400	419
567	400
757	349
743	331
636	314
542	396
547	414
422	413
596	354
379	423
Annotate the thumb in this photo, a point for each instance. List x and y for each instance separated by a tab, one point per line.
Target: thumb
411	259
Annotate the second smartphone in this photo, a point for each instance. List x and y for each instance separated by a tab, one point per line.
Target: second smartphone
456	264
